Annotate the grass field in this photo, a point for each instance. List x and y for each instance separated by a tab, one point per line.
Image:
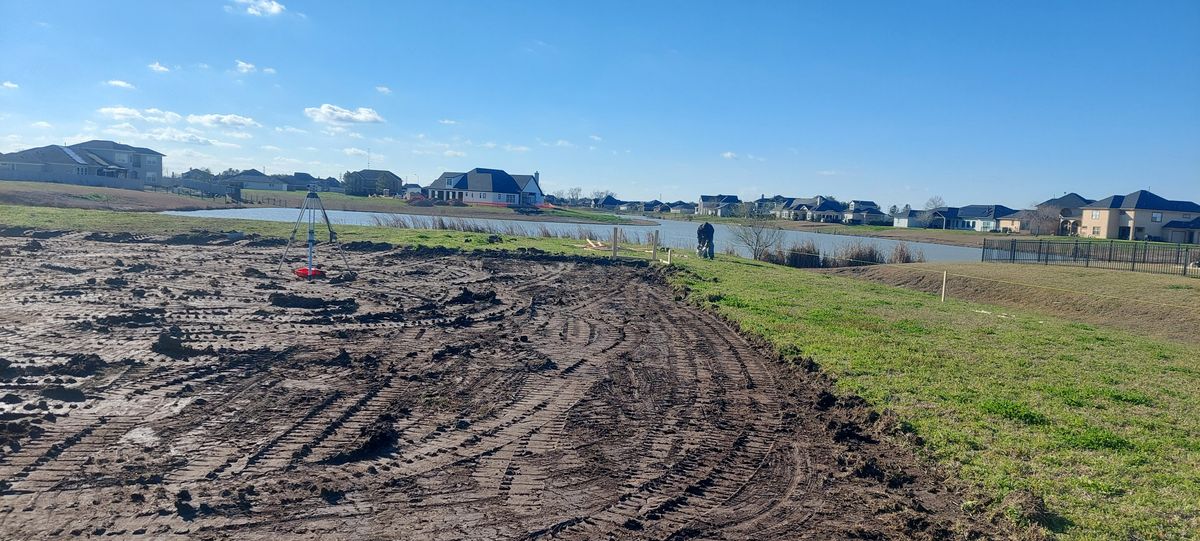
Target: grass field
1101	423
45	194
1152	305
952	237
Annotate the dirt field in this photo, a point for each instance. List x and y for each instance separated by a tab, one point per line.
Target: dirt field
183	389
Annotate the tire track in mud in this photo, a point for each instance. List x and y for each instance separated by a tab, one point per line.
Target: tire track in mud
457	397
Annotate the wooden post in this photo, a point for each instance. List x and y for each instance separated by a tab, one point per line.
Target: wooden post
668	257
616	236
655	252
944	274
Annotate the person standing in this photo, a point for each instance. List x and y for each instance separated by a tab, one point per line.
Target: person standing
704	239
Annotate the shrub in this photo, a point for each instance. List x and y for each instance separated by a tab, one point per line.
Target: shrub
421	203
855	254
442	203
902	253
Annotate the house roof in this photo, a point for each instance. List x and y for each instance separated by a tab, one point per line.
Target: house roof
58	155
1144	200
1022	215
1071	200
609	200
863	203
110	145
373	174
478	180
524	182
984	212
250	173
1183	224
719	198
682	205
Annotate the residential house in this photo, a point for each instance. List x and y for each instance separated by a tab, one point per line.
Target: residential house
682	207
487	187
912	219
1140	215
1021	221
718	205
411	190
970	217
372	182
92	163
865	215
1182	231
1068	209
531	189
608	202
253	179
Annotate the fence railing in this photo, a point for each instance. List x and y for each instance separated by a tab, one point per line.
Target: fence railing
1181	259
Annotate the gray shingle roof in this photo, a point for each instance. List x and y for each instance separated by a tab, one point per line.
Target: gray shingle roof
1071	200
1183	224
110	145
478	180
1144	200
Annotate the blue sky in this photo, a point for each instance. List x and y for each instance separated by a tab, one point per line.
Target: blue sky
980	102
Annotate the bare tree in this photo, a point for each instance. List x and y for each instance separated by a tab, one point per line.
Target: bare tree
935	202
1044	220
574	195
758	236
601	194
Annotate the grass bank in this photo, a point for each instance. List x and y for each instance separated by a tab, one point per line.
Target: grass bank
1102	423
971	239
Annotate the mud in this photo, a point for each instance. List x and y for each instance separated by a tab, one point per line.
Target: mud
554	398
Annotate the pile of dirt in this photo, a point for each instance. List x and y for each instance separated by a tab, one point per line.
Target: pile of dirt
466	296
170	343
289	300
367	246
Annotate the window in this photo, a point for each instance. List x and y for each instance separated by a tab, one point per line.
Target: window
1156	217
1095	231
1095	215
81	170
122	158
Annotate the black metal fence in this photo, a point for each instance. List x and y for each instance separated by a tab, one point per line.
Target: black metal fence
1181	259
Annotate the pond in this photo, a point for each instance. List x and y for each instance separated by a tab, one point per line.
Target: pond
673	233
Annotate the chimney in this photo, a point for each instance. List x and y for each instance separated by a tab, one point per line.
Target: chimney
537	179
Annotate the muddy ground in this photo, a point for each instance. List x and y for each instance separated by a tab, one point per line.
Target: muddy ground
186	389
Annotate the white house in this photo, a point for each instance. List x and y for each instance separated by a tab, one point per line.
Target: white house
487	187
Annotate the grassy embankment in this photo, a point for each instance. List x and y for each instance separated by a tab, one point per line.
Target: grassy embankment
337	201
952	237
1102	423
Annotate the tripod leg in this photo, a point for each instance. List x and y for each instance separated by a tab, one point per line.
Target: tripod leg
292	239
333	236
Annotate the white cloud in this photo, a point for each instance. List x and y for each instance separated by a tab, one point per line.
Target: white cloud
167	134
289	129
516	148
354	135
261	8
237	134
595	138
203	66
755	158
729	155
244	67
214	120
42	124
158	68
454	154
488	144
120	84
447	122
271	148
383	90
830	173
332	114
354	151
156	116
10	85
563	143
269	71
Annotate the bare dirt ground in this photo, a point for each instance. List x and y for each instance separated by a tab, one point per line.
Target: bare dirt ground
181	388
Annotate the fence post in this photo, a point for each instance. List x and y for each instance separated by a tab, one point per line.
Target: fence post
616	237
1133	258
944	274
1039	254
1012	252
1087	261
1110	249
1187	259
655	252
668	257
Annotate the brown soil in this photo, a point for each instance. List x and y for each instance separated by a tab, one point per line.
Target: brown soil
552	398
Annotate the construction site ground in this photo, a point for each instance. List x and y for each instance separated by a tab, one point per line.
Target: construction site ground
186	387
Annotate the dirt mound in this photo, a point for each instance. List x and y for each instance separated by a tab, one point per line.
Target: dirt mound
114	237
367	246
258	241
82	365
170	343
65	394
466	296
289	300
145	317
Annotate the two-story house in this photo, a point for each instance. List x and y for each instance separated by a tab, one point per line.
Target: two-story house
1140	215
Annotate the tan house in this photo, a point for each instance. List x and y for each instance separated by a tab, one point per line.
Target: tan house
1140	215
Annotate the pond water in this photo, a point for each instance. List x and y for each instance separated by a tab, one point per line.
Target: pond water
673	233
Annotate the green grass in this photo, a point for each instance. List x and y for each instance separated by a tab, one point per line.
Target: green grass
1101	423
580	214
